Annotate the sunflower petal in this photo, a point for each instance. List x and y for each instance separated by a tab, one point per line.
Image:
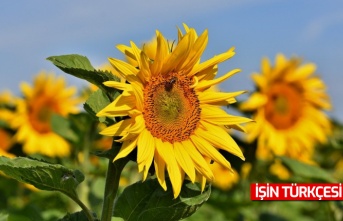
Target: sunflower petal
213	61
127	147
165	150
122	105
219	138
208	150
145	150
184	160
206	84
255	101
119	129
160	169
207	97
199	162
216	115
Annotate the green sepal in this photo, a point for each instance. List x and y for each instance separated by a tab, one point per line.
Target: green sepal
147	201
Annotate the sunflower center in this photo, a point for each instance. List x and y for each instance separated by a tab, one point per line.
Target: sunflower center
283	108
40	115
171	107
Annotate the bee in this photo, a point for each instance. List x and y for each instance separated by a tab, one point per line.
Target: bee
169	84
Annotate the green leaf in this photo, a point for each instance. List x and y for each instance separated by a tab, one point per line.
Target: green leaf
63	127
3	217
78	216
148	201
80	67
29	212
306	170
96	102
43	175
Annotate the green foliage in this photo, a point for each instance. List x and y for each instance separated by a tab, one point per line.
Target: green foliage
96	102
80	67
43	175
148	201
306	171
3	217
63	127
78	216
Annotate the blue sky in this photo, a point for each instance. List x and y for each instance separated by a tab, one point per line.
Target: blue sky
31	31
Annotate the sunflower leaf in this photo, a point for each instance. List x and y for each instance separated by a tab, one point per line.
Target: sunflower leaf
80	67
306	171
96	102
42	175
148	201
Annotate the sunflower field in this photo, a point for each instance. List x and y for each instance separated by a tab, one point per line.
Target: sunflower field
153	137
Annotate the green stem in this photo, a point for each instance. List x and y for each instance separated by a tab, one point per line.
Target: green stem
111	186
83	206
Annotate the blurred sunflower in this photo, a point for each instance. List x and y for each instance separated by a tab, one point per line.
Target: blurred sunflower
225	178
288	108
7	106
175	119
49	95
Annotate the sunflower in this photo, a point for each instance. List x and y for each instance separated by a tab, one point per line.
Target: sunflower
225	178
288	108
7	106
171	114
49	95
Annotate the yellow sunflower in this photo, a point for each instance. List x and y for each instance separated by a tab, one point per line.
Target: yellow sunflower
175	118
7	104
288	108
225	178
48	95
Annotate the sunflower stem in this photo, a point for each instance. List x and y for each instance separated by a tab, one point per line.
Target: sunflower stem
112	184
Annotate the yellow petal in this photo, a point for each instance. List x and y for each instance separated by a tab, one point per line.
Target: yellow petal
127	147
199	162
165	150
119	129
208	150
301	73
160	170
145	149
129	54
206	84
136	51
255	101
138	126
161	54
145	66
118	85
208	73
179	54
26	89
207	97
216	115
259	80
213	61
265	66
119	107
196	52
219	138
184	160
123	68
